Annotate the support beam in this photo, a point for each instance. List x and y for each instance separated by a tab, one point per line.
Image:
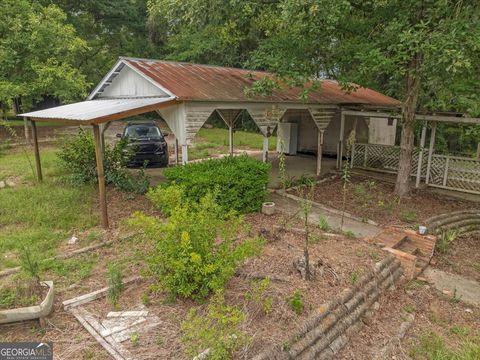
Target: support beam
265	149
103	128
230	139
36	150
229	116
184	154
340	140
319	152
420	155
431	149
177	155
102	195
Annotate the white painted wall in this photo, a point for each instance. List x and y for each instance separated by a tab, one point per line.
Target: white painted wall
380	132
129	83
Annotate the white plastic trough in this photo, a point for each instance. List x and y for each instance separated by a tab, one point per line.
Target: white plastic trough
30	312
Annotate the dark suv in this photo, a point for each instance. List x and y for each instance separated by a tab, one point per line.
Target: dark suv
147	143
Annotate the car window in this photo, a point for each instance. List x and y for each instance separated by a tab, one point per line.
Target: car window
143	132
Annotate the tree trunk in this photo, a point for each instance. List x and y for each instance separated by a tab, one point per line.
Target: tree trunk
409	106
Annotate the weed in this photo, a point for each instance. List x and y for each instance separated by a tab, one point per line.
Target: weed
145	299
286	346
349	234
217	330
115	284
445	240
257	295
159	340
296	302
409	308
432	346
71	269
455	297
408	216
354	277
88	354
373	255
323	223
360	253
460	331
315	238
135	339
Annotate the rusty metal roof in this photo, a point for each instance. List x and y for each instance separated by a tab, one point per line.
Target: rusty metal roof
214	83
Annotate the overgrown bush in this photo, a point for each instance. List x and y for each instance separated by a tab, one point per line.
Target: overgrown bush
240	182
218	331
196	250
77	157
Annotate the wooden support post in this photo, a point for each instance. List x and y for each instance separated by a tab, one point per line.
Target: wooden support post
340	141
184	154
102	195
420	155
265	149
319	152
177	155
103	128
36	150
230	138
478	151
431	149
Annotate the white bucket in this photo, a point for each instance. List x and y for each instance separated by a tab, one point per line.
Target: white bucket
422	230
268	208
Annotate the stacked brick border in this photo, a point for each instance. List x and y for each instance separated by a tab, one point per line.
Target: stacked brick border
464	221
327	332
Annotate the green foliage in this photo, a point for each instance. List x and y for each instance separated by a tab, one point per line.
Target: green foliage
349	234
77	156
217	330
38	54
196	251
135	339
446	240
166	197
30	263
20	296
240	180
408	216
257	295
354	276
75	269
432	347
296	302
115	284
323	223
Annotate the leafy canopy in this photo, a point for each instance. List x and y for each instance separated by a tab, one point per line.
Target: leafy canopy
38	49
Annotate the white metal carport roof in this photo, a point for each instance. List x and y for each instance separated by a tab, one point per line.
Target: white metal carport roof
100	111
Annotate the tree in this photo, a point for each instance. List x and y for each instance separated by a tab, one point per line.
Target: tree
111	28
37	52
217	32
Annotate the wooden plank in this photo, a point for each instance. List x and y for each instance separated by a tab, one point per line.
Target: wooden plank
110	349
430	152
420	156
319	152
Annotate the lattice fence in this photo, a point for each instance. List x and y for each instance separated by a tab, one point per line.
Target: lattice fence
449	172
384	158
453	172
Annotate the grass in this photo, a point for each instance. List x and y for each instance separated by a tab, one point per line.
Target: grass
39	123
432	347
40	215
215	141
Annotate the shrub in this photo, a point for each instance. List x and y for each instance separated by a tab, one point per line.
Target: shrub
240	181
258	295
323	223
195	251
445	240
166	198
77	157
218	330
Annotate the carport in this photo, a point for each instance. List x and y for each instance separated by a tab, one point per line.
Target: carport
185	95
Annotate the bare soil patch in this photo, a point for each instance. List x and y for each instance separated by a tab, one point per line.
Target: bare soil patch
375	200
462	257
345	258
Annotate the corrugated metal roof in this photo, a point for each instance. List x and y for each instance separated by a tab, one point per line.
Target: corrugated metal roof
88	111
214	83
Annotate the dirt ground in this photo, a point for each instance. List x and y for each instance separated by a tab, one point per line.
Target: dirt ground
462	257
435	314
344	260
373	199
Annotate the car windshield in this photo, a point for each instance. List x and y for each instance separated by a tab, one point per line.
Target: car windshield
143	132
